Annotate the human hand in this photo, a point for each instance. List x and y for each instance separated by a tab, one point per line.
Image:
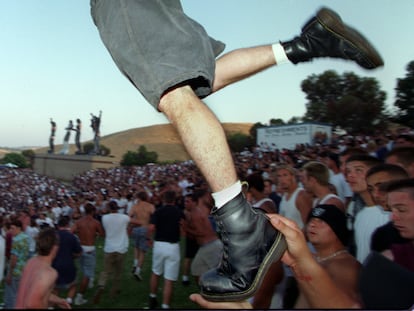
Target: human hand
297	248
198	299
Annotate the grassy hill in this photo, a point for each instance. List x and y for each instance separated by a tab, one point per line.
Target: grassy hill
162	139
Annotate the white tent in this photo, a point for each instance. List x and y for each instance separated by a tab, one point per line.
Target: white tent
11	165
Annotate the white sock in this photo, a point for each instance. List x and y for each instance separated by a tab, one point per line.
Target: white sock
224	196
185	277
137	270
165	306
279	53
153	295
135	262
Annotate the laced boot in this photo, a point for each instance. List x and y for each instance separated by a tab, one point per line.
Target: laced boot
325	35
250	246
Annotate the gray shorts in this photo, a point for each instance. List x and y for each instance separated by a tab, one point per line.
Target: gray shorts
88	263
156	46
208	257
140	236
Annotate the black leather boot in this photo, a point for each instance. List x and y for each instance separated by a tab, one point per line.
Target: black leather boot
325	35
250	246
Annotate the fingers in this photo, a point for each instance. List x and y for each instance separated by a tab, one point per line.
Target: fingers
298	249
283	224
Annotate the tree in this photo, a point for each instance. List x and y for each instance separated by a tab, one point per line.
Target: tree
239	141
29	154
15	158
139	158
405	98
253	130
129	158
353	103
274	122
294	120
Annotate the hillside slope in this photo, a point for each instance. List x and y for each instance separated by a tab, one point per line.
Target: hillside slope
162	139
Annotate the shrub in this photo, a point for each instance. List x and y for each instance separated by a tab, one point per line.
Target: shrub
139	158
15	158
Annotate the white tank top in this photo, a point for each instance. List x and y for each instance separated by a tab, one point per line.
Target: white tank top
258	204
324	199
288	208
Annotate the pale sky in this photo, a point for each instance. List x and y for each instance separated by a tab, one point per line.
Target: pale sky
53	63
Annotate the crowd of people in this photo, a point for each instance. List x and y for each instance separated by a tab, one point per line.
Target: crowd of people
174	70
127	205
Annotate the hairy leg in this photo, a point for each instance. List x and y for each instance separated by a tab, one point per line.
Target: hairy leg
242	63
202	135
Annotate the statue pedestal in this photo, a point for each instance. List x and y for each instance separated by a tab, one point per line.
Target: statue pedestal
65	167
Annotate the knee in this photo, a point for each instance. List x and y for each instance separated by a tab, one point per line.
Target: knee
177	101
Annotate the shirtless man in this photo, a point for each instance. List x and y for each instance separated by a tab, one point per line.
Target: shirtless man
38	278
328	233
315	282
199	225
141	213
87	228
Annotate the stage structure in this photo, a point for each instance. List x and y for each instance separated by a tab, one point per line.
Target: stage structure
66	167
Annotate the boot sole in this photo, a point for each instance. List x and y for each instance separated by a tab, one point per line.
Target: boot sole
333	23
275	253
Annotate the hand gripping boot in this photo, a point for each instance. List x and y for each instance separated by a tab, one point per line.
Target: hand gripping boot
325	35
250	245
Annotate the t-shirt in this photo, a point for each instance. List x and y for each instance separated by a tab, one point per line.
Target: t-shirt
384	236
366	222
64	262
404	255
167	223
116	236
20	248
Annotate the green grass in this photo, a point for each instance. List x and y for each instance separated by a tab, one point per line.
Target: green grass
134	294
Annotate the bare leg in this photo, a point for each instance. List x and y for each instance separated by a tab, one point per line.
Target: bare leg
136	256
153	283
83	284
141	256
242	63
72	291
186	266
202	135
167	292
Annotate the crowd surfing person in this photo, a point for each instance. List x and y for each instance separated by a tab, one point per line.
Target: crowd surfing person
177	68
